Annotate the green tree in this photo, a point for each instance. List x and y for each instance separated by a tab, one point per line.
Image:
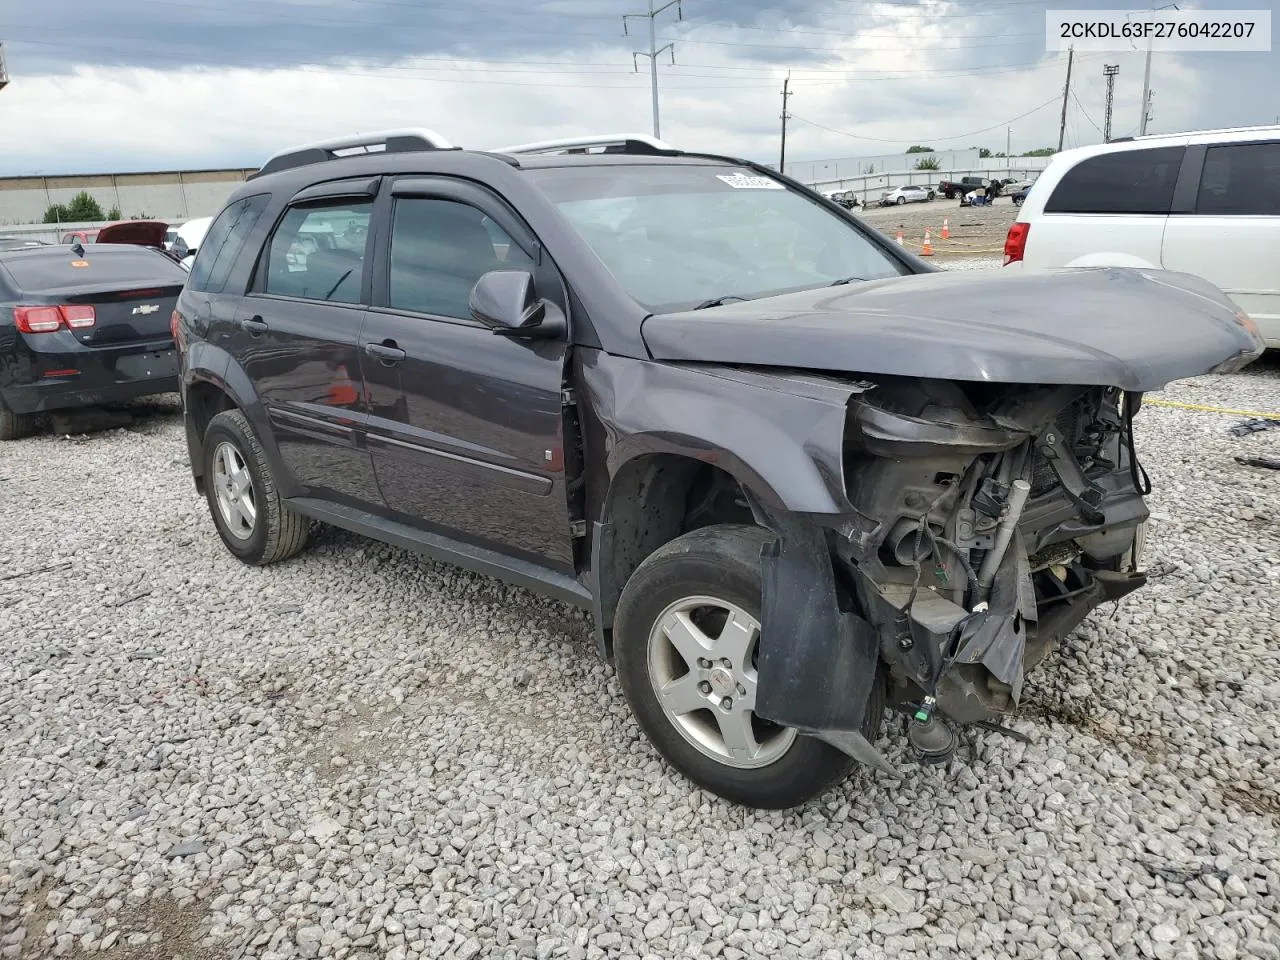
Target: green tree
871	168
983	153
56	213
919	149
928	163
84	207
113	214
1042	152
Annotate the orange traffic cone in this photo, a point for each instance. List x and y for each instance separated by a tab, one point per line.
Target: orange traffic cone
900	241
928	244
946	228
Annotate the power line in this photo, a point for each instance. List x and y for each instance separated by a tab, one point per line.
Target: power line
1085	113
813	78
958	136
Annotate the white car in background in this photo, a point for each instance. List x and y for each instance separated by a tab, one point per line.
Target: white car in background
1205	203
186	239
908	194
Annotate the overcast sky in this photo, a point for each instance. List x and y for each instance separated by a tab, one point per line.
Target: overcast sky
124	85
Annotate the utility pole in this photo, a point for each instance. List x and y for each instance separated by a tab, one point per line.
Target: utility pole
4	74
1008	148
654	49
1109	71
782	160
1146	78
1066	92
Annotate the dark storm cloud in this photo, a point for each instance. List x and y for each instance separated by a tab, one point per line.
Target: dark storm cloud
45	37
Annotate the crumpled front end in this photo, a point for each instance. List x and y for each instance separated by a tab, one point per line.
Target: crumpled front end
987	521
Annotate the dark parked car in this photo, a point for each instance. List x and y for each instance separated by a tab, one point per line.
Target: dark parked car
83	325
21	243
958	188
793	482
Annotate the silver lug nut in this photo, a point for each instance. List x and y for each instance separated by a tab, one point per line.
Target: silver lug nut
726	703
704	688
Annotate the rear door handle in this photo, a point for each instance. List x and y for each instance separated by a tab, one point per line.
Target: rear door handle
387	351
255	326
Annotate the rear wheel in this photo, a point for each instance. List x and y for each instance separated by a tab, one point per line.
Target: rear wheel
14	426
254	522
686	636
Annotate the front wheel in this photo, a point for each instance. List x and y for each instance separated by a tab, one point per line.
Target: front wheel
1017	201
686	635
901	200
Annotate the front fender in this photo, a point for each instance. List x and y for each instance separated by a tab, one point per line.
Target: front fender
780	436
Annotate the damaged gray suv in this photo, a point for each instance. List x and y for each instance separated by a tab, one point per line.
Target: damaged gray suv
800	478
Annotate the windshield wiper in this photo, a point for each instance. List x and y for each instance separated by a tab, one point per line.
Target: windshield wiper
718	301
842	282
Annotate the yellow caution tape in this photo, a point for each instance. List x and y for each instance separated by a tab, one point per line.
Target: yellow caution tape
1208	409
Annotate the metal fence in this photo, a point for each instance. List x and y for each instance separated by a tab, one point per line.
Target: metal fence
869	187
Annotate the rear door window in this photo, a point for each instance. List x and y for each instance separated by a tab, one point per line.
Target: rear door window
318	252
1241	179
1127	181
59	268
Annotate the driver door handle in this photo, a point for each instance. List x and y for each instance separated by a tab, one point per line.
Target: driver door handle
255	326
387	351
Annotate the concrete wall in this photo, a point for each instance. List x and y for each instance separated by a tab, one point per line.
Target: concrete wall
175	195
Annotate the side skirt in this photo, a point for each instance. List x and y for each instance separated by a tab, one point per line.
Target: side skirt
439	547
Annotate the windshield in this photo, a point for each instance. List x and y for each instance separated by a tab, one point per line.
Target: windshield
676	236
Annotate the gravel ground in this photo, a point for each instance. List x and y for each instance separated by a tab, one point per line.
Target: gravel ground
975	231
361	753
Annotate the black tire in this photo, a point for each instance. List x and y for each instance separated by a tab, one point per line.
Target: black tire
901	200
277	532
1017	201
932	195
15	426
721	562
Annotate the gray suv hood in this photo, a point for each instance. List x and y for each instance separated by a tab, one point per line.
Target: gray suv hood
1129	328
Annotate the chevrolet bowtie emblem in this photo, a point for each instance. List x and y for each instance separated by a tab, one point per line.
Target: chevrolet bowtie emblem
147	308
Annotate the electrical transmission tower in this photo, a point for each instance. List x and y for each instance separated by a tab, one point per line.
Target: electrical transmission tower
1109	71
654	49
4	74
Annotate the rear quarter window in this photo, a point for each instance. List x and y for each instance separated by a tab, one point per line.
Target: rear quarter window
42	272
1127	181
222	243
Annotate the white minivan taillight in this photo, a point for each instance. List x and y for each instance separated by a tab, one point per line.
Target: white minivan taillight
1015	244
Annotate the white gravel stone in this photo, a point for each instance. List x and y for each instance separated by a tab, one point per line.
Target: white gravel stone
253	712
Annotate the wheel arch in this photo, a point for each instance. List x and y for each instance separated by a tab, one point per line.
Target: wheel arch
652	499
213	382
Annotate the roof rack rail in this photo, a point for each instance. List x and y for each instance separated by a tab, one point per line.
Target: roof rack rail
611	143
409	139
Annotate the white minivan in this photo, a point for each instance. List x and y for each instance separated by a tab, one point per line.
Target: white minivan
1206	203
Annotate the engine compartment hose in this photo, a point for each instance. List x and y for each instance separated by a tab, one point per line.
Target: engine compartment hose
1018	493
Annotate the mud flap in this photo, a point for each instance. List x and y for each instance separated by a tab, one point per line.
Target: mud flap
816	663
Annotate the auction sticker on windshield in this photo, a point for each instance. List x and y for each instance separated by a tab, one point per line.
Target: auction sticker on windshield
742	181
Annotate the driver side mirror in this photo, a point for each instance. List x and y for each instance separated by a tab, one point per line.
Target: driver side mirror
507	301
179	249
